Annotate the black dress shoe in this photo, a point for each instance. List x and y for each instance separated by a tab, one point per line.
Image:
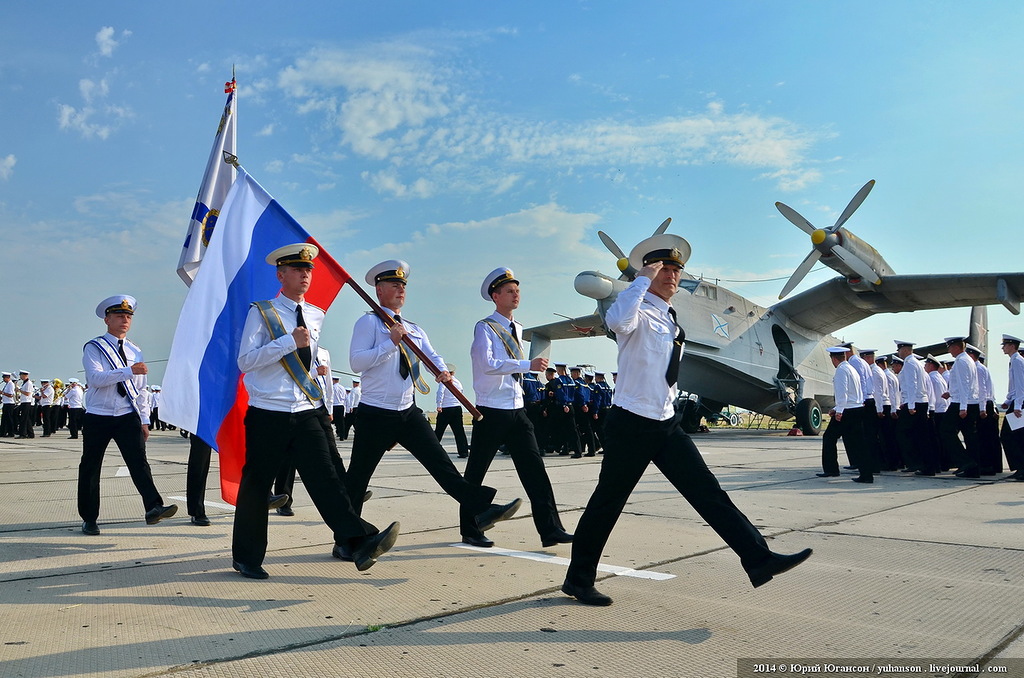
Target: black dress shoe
90	527
158	513
250	571
497	513
276	501
850	468
776	564
201	521
827	475
285	511
481	541
371	548
576	456
923	473
863	479
968	473
587	595
367	495
560	537
342	552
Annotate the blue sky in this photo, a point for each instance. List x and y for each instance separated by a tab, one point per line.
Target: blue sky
462	136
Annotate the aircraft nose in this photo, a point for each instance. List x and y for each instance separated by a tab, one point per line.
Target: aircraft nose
818	236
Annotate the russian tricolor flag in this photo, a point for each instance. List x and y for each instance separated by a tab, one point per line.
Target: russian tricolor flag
202	388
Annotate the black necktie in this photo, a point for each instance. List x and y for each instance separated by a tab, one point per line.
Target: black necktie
305	354
403	361
515	337
121	390
672	373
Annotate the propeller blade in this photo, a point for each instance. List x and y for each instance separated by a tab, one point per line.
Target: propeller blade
855	262
795	218
610	244
664	226
854	204
806	265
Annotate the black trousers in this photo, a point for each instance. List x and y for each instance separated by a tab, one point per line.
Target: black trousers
584	426
75	420
8	425
126	432
916	440
49	420
339	421
26	421
379	429
1013	443
988	440
858	449
284	483
634	442
273	439
513	429
562	429
965	455
350	421
452	417
196	475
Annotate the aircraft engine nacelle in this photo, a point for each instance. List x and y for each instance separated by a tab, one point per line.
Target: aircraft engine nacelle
594	285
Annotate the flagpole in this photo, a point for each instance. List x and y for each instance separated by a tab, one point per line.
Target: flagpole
388	322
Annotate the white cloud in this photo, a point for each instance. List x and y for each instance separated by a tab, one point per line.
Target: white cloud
407	108
267	131
7	166
90	89
106	41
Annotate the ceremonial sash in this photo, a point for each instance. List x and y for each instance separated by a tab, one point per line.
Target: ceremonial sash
512	347
291	362
109	351
412	361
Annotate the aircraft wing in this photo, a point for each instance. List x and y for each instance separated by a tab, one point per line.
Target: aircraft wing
834	304
584	326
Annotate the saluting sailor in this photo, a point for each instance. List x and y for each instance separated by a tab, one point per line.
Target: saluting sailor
287	421
498	367
118	410
387	414
642	428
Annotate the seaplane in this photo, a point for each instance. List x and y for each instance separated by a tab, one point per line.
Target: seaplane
773	360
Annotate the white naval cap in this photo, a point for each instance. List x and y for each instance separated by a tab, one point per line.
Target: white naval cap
868	351
932	359
44	381
392	270
971	348
665	247
119	303
299	255
496	279
902	342
73	380
837	350
897	359
156	387
955	339
6	374
1010	339
24	372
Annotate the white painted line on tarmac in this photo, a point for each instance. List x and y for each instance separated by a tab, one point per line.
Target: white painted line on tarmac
556	560
212	504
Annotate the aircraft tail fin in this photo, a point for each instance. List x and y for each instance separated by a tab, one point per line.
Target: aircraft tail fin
978	333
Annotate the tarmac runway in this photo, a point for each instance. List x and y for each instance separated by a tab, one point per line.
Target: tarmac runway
908	572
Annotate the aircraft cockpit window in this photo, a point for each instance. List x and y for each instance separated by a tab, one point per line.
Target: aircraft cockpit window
689	285
705	289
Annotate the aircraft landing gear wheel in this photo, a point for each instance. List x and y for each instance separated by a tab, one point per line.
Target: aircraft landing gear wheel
808	416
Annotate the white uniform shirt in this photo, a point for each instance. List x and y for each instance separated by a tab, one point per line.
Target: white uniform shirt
74	397
340	395
645	334
46	395
7	392
986	389
963	381
914	385
154	399
1015	392
259	356
355	394
373	354
880	387
864	372
847	388
445	398
104	399
894	388
493	367
938	387
26	388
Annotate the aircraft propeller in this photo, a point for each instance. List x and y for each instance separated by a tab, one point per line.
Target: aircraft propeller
828	241
622	261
